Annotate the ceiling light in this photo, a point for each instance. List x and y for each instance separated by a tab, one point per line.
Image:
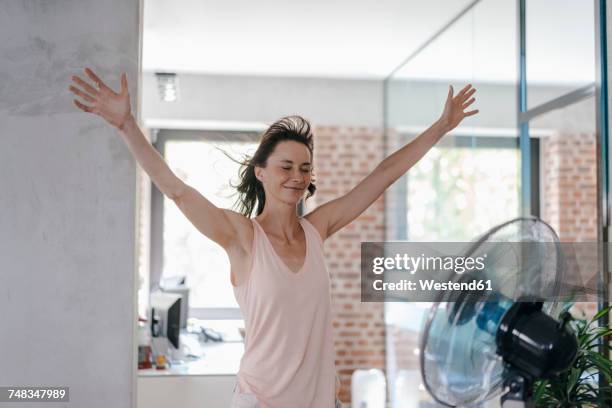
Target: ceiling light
167	84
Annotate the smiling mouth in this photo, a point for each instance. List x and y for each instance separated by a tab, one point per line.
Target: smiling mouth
294	188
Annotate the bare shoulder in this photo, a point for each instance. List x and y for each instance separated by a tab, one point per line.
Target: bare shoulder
319	222
244	230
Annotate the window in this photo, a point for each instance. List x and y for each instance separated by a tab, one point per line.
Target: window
462	188
179	249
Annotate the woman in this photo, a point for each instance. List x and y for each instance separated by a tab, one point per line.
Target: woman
277	268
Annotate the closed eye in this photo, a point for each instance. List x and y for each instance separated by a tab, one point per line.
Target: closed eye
303	170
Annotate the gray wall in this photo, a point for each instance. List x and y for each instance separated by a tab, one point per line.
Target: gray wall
67	201
418	104
265	99
334	101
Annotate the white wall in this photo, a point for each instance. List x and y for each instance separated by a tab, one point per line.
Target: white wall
67	201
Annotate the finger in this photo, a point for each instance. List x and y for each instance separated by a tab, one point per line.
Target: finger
468	94
468	103
471	113
464	90
450	92
96	79
82	94
85	85
124	84
82	106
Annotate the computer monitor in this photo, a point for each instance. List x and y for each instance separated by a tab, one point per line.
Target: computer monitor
165	316
183	291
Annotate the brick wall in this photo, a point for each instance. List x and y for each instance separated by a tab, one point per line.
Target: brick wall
343	157
569	193
569	185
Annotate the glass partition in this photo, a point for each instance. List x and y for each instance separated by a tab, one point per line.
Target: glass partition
560	60
560	48
470	181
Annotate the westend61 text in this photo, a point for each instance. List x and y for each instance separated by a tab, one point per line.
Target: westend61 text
430	284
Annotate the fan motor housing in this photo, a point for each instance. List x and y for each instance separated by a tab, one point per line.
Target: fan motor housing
534	343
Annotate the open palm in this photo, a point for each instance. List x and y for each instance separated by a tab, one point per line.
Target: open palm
103	101
455	106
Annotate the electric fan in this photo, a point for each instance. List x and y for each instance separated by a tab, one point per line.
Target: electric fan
476	346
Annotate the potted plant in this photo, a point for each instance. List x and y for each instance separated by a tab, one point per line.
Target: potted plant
578	386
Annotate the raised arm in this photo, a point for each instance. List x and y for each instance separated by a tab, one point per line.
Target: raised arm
217	224
334	215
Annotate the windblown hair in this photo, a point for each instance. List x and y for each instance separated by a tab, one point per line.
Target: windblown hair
250	190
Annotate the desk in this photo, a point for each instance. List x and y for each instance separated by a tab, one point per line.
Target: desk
204	383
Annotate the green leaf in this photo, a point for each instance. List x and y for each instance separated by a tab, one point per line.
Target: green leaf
572	379
600	332
576	386
539	390
601	313
604	365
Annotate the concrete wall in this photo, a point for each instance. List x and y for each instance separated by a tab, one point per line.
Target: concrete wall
67	200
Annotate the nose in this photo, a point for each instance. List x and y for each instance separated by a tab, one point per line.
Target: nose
297	175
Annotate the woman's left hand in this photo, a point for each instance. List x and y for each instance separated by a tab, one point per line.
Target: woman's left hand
454	109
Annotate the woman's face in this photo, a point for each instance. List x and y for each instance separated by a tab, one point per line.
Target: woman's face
288	172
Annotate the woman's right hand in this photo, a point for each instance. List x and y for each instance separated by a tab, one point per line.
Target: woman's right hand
103	101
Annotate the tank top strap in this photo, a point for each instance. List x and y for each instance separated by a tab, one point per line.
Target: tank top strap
311	232
261	246
257	237
255	250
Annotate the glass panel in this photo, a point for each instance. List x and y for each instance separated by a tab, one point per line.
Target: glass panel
560	48
568	176
463	54
186	251
466	184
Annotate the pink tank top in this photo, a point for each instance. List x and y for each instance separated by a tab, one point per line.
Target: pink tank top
288	360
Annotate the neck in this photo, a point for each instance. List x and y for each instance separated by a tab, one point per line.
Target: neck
280	219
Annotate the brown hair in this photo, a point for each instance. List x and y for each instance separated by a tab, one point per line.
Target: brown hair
250	190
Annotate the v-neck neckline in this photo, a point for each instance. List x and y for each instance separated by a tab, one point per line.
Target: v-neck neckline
299	271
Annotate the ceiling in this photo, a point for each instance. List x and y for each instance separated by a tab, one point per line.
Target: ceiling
369	39
315	38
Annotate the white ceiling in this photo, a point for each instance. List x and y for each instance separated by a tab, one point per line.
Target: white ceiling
314	38
368	38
